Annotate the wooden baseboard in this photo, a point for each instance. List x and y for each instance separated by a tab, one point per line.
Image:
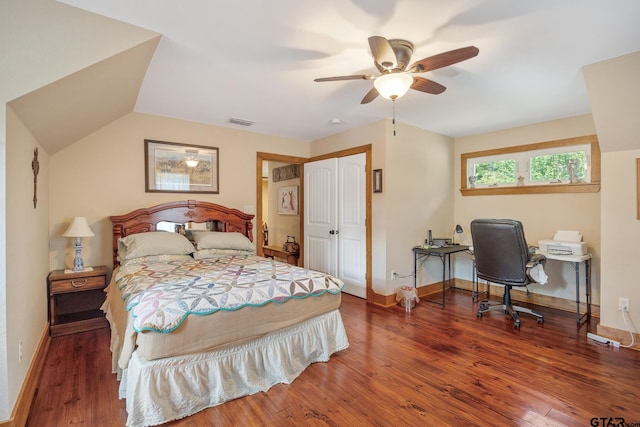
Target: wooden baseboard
29	387
623	337
498	291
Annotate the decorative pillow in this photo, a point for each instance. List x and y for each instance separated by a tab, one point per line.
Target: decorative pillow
215	253
156	258
222	240
153	243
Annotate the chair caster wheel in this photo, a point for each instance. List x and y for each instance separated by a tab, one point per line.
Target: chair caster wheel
479	314
516	325
540	320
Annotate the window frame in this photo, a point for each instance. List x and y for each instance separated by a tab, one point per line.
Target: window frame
584	187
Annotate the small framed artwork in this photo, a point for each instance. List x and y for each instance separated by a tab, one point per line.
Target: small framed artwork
377	180
288	200
171	167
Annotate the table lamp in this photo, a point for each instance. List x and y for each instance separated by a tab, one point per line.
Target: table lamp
78	229
458	230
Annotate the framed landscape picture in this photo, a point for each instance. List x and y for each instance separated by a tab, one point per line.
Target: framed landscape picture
171	167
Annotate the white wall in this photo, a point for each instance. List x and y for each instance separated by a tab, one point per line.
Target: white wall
103	175
541	214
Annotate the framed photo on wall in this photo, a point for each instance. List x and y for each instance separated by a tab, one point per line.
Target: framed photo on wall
288	200
171	167
377	180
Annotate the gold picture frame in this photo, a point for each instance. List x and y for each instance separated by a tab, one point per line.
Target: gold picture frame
172	167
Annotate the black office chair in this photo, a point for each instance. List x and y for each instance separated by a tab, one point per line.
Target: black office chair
502	256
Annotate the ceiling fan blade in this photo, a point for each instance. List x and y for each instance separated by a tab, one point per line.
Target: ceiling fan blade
338	78
426	85
382	52
444	59
370	96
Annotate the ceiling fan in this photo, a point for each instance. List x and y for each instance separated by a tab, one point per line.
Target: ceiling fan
391	58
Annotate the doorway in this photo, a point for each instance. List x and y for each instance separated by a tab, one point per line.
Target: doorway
272	225
269	157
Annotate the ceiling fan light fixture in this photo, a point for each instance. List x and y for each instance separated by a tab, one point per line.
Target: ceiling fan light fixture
393	85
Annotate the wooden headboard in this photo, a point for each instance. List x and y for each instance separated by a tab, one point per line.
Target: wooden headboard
145	219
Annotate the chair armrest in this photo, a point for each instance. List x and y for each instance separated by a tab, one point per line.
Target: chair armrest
536	259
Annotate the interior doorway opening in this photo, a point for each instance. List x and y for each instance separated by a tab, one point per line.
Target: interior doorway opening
279	202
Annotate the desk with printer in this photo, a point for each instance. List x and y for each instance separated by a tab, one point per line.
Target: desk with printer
567	246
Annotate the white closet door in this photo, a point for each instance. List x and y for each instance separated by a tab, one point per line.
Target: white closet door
335	220
352	216
320	241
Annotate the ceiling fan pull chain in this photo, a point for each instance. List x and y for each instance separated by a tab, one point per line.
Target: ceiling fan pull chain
394	117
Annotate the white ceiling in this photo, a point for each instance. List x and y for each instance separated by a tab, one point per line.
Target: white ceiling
256	60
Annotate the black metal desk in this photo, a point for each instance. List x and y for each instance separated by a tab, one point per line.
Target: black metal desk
444	253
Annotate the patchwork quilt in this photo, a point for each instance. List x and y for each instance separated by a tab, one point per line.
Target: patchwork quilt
160	295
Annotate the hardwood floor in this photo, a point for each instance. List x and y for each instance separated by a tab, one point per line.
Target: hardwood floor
433	366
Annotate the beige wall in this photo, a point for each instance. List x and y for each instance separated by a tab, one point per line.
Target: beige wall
48	41
620	234
27	249
541	214
614	92
103	175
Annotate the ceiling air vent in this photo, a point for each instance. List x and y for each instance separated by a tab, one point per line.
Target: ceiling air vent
241	122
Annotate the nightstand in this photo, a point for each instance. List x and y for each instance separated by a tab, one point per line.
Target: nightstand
75	300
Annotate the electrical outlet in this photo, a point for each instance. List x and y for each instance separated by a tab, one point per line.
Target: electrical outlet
623	304
20	352
393	275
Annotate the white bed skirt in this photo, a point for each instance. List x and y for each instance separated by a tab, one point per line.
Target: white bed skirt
163	390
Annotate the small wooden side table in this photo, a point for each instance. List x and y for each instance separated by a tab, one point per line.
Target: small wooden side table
276	252
75	300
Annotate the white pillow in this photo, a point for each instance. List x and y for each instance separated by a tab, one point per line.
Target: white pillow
153	243
222	240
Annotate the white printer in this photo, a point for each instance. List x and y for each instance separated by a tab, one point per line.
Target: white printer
564	243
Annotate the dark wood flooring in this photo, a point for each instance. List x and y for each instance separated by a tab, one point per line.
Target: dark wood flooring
432	367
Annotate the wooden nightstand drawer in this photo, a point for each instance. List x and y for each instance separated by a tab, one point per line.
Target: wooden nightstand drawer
75	300
78	284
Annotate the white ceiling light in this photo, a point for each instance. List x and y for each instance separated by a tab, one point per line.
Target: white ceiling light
393	85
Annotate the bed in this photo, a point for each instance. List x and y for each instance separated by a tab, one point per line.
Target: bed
198	319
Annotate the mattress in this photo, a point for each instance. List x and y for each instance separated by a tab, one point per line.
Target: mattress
217	330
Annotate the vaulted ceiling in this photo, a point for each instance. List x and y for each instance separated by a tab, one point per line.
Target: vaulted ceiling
257	60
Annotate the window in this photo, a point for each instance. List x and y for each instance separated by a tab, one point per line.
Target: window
569	165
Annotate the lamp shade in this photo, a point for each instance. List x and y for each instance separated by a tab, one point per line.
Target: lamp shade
393	85
79	228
